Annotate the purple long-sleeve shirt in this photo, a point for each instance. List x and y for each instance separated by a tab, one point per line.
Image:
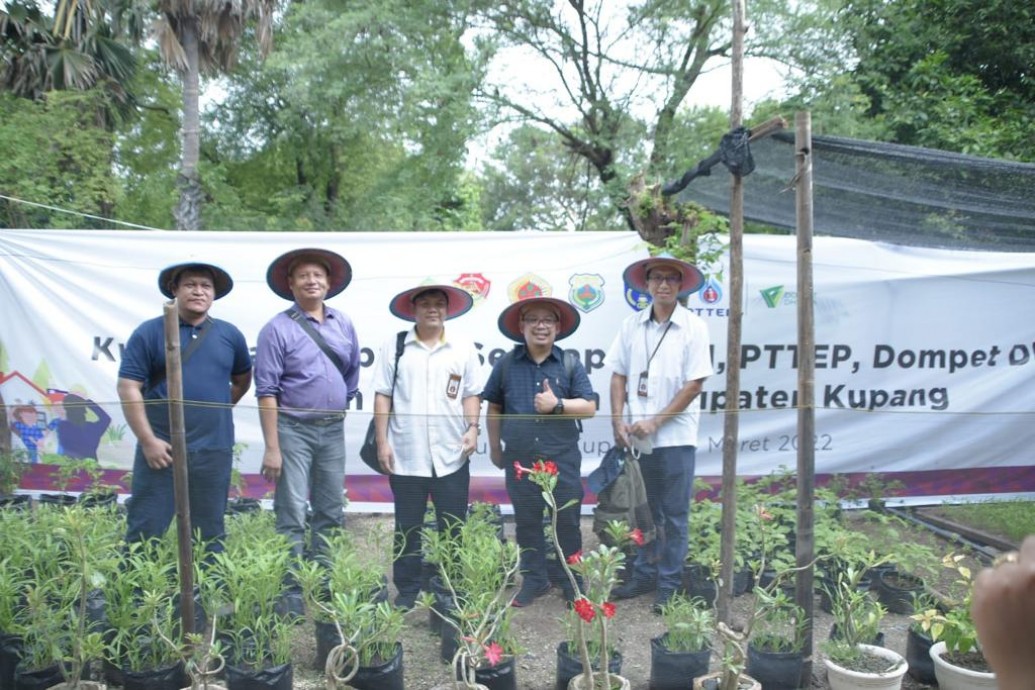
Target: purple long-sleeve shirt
290	366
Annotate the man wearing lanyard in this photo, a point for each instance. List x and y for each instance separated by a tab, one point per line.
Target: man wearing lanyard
217	372
306	372
534	399
659	360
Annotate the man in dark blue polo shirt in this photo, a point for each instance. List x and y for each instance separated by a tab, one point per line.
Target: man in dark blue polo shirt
535	401
217	371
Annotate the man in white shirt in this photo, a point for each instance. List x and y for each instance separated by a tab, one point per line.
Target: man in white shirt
660	359
426	418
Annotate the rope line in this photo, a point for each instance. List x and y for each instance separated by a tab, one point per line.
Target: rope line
77	213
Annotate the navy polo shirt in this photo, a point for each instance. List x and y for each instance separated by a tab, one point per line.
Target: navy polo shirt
207	410
523	431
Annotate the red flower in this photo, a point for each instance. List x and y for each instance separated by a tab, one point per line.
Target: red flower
550	467
608	609
637	536
575	558
519	470
493	653
584	607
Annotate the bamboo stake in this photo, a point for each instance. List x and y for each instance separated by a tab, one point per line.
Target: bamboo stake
177	438
806	383
731	427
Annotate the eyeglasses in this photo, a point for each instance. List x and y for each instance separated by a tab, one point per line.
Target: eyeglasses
671	280
544	321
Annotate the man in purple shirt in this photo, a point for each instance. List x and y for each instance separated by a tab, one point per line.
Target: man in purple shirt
303	387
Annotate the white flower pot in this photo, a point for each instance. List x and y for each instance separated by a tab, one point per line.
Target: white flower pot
951	677
712	680
617	681
841	678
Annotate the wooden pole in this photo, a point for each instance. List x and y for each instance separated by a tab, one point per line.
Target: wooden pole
178	440
806	384
731	427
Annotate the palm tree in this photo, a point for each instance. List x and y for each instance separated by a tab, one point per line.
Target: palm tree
203	35
193	36
87	51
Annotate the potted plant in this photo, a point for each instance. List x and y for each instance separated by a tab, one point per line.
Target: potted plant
919	642
853	660
343	571
775	650
59	628
357	630
11	470
475	568
251	572
958	661
684	650
597	573
733	674
142	614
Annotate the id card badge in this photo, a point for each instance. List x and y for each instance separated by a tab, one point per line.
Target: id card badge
453	387
641	387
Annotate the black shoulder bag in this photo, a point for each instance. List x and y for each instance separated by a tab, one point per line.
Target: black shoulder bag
368	451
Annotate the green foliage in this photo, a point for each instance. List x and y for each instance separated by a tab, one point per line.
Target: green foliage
956	627
780	624
55	154
688	624
476	567
948	75
857	615
12	467
1012	519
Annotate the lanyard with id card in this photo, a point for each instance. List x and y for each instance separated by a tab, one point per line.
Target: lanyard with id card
641	386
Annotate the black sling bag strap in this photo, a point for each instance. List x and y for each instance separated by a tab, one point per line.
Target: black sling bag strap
300	319
187	352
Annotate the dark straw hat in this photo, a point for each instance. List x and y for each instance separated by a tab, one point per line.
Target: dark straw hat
510	318
220	278
458	300
339	272
636	274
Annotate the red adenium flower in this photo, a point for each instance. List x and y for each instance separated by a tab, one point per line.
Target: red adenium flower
519	470
575	557
584	607
546	466
493	653
637	536
608	609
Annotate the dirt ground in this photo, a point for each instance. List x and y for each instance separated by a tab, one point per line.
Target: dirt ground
540	630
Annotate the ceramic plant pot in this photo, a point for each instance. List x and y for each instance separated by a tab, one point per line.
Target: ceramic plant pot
841	678
579	682
953	677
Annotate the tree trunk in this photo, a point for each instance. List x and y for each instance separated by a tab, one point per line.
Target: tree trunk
188	210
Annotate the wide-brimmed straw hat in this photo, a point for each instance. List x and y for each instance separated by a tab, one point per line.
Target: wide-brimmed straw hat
339	272
510	318
221	280
636	274
458	300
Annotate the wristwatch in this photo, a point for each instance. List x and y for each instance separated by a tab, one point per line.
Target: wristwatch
559	407
474	425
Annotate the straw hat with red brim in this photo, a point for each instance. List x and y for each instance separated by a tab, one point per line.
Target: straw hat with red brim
458	301
636	274
221	279
339	272
510	318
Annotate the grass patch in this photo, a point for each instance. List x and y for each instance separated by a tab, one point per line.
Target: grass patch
1012	519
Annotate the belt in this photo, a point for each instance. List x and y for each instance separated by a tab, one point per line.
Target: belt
319	421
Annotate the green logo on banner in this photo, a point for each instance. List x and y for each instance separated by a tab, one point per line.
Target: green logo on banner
772	296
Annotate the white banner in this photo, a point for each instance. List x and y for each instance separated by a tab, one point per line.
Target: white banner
924	357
